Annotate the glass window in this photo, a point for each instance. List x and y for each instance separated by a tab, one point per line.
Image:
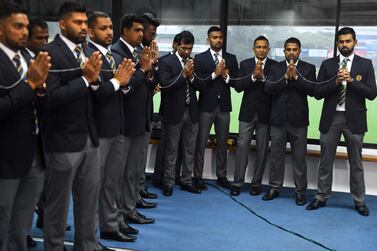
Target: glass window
312	22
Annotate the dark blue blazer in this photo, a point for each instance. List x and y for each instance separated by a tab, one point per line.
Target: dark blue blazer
363	87
289	98
69	112
108	103
18	141
175	95
137	104
210	90
255	100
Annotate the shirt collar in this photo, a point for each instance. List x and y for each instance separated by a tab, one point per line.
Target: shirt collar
130	47
341	57
295	63
102	49
179	57
71	45
263	61
220	52
9	52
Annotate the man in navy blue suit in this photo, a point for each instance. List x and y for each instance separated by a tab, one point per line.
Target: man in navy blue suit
289	118
214	104
344	112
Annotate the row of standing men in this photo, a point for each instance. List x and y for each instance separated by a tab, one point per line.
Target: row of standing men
102	105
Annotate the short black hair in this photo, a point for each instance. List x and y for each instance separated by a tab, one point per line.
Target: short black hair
36	21
69	7
128	19
213	28
177	37
292	40
346	31
261	38
186	37
8	8
92	19
150	19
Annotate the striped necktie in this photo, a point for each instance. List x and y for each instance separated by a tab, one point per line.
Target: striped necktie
111	60
79	58
342	92
184	61
20	69
216	55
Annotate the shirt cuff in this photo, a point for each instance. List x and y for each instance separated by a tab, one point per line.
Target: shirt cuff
86	81
126	90
115	83
227	79
213	75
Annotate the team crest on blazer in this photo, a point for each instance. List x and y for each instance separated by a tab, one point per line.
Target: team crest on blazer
359	77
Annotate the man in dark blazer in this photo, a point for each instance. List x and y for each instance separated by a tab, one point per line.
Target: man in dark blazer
181	112
137	110
160	152
289	82
21	172
344	112
214	104
70	134
254	116
108	115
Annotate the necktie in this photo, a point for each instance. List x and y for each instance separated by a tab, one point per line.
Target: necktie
184	61
342	92
79	58
21	71
136	53
216	55
111	60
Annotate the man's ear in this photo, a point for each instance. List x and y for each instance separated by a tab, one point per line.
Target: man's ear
62	25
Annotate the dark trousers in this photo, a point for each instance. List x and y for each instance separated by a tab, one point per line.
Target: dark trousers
329	142
262	136
296	136
221	121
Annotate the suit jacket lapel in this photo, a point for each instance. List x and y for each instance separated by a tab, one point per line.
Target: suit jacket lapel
177	63
66	50
106	63
210	58
354	67
8	64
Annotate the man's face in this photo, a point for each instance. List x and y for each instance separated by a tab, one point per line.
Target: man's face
38	38
216	40
261	49
292	52
184	50
74	26
346	44
149	34
14	31
102	32
134	35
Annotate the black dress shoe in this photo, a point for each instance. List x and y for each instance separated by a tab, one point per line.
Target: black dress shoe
362	209
255	191
137	219
124	228
199	184
147	195
30	242
272	194
189	188
143	204
234	190
223	182
167	191
315	204
117	236
300	199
